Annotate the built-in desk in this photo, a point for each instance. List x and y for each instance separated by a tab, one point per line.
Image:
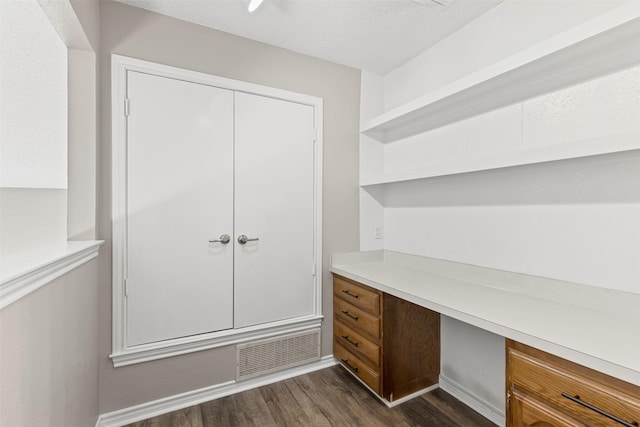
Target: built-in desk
594	327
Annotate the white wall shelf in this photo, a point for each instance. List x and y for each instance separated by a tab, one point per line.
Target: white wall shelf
596	48
579	149
600	178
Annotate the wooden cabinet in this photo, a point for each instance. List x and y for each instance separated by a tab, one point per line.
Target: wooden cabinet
391	345
545	390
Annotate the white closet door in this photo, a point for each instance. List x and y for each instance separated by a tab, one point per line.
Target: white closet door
180	195
274	183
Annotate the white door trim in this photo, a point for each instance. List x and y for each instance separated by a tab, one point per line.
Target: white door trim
122	354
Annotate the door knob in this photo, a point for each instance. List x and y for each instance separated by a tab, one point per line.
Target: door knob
242	239
224	239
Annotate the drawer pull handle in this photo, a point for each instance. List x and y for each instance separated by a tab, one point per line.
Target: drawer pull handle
347	339
349	365
577	400
346	313
351	294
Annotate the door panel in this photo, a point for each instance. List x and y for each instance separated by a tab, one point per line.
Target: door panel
274	201
180	195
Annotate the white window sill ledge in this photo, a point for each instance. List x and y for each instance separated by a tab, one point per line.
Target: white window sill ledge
27	271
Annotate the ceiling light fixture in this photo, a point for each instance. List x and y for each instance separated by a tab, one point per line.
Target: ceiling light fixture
254	4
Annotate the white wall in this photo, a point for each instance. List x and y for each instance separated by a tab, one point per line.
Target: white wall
33	129
371	160
30	217
475	374
567	220
576	220
82	101
504	30
34	99
48	122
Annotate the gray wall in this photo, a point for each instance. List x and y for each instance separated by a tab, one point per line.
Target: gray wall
81	149
141	34
49	354
30	217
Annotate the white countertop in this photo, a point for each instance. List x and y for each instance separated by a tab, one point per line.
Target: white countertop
595	327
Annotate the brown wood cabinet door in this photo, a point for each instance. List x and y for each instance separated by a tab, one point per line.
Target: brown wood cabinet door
547	390
411	348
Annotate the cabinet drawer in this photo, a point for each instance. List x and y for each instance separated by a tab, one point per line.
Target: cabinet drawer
533	412
557	385
369	376
356	319
357	343
357	294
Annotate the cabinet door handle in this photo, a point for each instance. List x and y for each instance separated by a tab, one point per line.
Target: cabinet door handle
351	294
349	365
346	313
349	340
577	400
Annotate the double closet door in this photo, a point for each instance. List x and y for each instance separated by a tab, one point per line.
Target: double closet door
205	167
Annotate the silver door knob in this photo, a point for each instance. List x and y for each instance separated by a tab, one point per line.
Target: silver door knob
224	239
242	239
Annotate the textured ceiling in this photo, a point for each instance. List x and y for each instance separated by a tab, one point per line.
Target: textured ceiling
374	35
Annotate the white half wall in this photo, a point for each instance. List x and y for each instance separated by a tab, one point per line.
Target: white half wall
49	354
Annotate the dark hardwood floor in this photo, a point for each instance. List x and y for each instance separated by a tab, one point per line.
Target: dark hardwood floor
329	397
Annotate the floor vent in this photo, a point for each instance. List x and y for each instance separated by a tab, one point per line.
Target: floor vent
274	354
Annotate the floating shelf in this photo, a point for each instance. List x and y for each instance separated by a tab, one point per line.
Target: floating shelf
606	178
601	46
627	142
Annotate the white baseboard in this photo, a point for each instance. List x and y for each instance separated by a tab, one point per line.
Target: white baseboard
410	396
179	401
382	399
472	400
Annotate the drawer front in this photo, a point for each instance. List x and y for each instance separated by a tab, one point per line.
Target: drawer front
357	367
558	386
531	412
362	297
356	343
356	319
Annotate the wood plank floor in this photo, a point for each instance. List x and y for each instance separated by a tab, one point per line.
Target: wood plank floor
329	397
